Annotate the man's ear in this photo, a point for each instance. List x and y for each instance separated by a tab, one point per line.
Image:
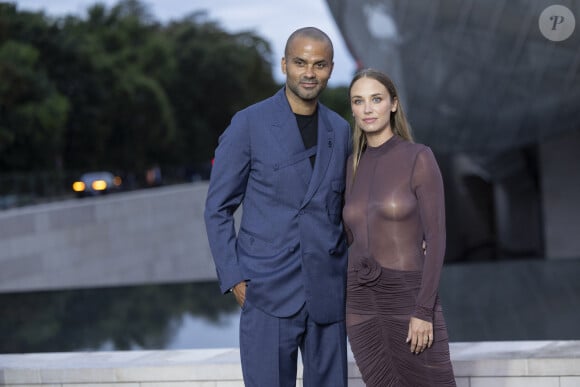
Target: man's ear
283	65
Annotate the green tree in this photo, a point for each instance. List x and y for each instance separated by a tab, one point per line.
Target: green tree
118	90
33	113
336	98
217	74
122	115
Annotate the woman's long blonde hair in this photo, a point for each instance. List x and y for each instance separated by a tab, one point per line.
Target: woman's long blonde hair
399	123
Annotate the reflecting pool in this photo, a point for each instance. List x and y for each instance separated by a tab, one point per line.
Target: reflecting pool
510	300
175	316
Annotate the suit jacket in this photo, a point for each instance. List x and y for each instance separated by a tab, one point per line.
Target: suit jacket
290	246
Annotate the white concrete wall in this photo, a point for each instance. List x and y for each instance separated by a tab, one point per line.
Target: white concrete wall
560	182
484	364
151	236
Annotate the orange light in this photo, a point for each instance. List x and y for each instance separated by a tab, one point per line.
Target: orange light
78	186
117	181
99	185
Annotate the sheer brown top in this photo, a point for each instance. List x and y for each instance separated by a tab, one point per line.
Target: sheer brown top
394	202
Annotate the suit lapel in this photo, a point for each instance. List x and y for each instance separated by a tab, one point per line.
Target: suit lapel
285	129
324	150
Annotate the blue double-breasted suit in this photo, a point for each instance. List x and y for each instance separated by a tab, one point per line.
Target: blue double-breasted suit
290	246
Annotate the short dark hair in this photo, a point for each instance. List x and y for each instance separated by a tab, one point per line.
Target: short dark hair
312	33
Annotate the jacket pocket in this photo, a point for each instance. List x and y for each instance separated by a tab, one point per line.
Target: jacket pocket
335	200
252	244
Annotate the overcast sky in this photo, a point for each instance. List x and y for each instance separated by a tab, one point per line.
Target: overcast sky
270	19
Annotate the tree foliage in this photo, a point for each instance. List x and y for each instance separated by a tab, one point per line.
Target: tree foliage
32	111
118	90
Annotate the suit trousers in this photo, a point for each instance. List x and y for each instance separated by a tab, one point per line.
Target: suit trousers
269	350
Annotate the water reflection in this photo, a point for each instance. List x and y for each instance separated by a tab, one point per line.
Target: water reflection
509	300
192	315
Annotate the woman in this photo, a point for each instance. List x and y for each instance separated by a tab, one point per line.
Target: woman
394	203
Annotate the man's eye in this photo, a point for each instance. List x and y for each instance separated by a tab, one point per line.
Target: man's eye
321	65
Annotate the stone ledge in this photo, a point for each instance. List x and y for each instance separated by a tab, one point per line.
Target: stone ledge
516	358
529	363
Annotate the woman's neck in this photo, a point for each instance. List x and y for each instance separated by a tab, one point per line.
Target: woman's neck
377	139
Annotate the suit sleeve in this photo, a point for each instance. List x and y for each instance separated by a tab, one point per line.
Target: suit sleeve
226	191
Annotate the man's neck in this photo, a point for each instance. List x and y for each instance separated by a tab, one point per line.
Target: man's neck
300	106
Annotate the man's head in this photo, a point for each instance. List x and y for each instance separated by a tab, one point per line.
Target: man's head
307	63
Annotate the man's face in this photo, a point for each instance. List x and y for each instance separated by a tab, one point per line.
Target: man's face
308	67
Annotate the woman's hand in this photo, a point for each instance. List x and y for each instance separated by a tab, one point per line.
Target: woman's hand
420	335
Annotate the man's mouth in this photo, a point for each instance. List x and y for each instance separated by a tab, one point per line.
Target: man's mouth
309	84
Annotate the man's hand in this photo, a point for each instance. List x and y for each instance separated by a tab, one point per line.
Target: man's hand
240	293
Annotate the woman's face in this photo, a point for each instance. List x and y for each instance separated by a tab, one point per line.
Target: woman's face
372	106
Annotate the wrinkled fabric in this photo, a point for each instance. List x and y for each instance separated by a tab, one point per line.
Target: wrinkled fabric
394	203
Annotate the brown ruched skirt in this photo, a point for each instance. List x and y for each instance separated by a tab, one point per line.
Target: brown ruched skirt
378	314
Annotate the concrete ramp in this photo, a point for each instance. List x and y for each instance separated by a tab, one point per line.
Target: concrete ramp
155	235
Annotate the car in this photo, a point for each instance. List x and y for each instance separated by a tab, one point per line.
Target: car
96	183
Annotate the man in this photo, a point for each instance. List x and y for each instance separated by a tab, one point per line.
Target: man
284	160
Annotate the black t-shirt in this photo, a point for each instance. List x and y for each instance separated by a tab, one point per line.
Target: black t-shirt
308	126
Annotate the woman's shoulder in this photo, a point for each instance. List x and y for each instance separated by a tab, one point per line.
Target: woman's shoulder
416	152
415	147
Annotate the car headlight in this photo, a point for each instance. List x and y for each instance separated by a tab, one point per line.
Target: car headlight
78	186
99	185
